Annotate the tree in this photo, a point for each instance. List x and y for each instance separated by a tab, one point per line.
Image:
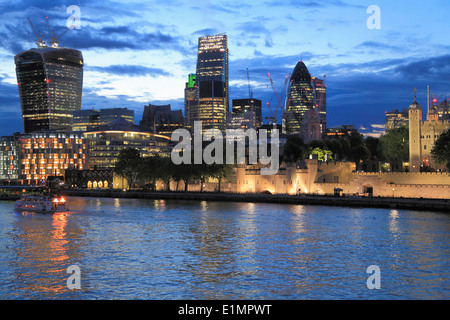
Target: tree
373	144
129	165
394	145
221	171
359	153
322	154
293	149
441	149
166	170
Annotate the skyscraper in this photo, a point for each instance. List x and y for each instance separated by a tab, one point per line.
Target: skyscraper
320	90
50	81
212	81
191	110
300	99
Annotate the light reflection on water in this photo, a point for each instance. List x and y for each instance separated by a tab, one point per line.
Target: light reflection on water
158	249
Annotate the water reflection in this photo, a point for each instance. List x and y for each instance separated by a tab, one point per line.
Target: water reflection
155	249
43	251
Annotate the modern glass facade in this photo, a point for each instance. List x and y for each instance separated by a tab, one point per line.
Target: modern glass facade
212	81
191	107
106	142
242	106
320	90
88	119
9	157
50	82
300	99
396	119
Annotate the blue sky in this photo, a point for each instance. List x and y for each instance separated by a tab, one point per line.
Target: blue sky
140	52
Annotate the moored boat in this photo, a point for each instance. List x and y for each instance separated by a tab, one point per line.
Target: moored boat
44	204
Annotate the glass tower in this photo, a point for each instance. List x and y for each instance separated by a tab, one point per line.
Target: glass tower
300	99
212	81
50	81
320	89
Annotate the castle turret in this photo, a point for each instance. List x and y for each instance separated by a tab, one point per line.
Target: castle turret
415	124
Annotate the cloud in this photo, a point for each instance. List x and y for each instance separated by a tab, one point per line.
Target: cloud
431	68
130	70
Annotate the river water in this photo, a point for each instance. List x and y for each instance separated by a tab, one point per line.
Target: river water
158	249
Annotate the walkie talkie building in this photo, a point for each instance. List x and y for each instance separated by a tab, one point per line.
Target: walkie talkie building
50	81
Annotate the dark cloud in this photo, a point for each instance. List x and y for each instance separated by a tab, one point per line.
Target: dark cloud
435	68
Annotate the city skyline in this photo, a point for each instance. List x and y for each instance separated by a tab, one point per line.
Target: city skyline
141	53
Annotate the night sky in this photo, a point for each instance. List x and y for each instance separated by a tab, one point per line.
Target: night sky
140	52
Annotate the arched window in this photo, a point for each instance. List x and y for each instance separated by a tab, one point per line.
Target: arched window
95	184
89	185
100	184
105	184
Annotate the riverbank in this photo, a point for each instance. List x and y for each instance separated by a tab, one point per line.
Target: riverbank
442	205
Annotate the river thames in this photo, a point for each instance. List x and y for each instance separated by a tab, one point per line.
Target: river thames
193	250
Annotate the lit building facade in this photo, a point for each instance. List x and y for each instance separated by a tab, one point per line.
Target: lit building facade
300	99
212	82
44	154
106	142
88	119
396	119
191	107
50	81
249	110
9	157
422	136
320	90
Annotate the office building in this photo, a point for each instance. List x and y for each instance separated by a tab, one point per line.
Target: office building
43	154
248	109
84	120
320	90
212	82
9	157
191	107
396	119
300	106
106	142
161	119
50	81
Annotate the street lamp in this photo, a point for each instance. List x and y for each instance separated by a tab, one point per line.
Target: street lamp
393	189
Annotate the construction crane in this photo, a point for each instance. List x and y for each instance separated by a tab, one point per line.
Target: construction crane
250	93
279	99
54	39
40	43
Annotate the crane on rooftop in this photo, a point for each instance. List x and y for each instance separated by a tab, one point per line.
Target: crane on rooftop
40	43
54	39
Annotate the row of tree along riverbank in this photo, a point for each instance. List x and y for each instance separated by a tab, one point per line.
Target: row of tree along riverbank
364	202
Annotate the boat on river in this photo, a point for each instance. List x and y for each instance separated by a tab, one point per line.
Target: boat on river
43	204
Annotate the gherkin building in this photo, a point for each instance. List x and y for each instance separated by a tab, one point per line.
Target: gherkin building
300	98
